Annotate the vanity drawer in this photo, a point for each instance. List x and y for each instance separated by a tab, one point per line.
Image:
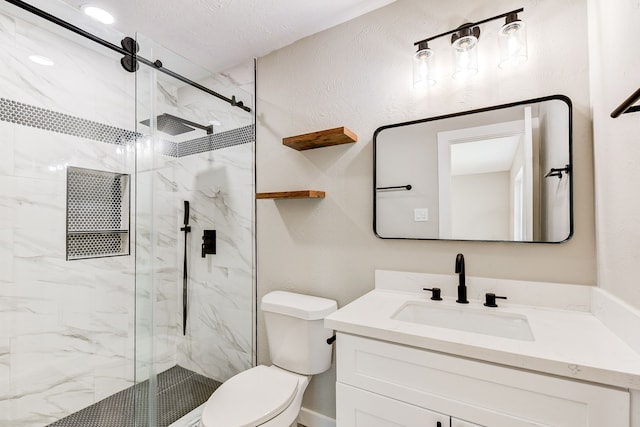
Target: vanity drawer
360	408
488	394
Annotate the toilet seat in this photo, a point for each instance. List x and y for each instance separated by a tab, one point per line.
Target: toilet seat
250	398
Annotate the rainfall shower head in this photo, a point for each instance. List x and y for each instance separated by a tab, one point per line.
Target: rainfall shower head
172	125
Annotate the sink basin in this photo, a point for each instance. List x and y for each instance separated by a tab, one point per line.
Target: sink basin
496	323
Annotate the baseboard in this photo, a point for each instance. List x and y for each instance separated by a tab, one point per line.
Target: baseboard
309	418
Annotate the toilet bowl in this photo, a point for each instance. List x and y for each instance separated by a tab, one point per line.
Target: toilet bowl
271	396
264	396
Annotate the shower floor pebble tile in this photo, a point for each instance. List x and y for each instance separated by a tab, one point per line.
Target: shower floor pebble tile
179	392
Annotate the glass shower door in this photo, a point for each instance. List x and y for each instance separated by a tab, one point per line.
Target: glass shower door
194	185
66	273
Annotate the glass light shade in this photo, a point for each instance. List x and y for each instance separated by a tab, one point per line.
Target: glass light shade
512	39
423	68
465	57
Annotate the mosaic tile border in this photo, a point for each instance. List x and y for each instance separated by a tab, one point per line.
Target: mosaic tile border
42	118
243	135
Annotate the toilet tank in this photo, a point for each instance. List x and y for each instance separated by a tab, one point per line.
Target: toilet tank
296	334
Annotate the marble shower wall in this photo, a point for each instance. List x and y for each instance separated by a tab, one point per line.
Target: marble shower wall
67	328
219	184
219	187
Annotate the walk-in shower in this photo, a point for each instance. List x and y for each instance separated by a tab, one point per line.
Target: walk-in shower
96	163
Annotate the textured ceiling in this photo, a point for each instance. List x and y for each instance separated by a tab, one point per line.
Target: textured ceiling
220	34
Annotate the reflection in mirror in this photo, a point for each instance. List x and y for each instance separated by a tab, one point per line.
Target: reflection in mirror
497	174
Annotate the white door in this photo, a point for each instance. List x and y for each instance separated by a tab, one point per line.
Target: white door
474	165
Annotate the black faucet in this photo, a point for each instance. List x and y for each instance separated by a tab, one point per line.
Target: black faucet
462	287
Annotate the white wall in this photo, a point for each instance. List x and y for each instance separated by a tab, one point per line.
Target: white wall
359	75
614	76
407	155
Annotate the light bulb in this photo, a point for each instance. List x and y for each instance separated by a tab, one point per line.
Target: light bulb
465	57
512	45
512	38
423	66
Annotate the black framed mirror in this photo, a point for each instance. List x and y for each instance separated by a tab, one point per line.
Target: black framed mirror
500	173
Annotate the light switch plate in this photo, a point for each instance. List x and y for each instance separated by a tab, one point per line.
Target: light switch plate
421	214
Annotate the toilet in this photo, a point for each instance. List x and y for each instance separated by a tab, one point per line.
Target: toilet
271	396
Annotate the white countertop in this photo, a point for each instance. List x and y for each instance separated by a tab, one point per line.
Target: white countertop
568	343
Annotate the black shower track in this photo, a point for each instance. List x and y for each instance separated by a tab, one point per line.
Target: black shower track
154	64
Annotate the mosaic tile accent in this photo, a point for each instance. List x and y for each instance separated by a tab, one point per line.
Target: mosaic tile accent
243	135
97	213
97	200
96	245
41	118
168	148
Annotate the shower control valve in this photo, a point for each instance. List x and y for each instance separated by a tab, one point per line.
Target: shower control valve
208	242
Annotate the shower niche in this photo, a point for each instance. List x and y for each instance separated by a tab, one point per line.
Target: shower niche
98	210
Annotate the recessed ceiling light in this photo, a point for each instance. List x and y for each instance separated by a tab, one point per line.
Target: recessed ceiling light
98	13
41	60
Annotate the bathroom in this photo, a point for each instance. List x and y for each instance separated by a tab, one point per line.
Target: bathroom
358	74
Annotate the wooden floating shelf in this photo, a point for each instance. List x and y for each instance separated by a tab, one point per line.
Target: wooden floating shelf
302	194
323	138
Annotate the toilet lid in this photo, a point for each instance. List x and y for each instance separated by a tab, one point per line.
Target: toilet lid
250	398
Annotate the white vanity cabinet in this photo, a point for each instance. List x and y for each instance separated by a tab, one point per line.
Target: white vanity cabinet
382	384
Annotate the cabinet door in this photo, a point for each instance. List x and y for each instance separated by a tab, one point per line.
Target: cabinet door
360	408
459	423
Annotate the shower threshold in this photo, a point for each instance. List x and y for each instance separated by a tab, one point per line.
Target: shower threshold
179	392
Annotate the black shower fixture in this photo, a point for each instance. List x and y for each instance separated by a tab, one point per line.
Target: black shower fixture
129	49
129	61
185	277
208	242
173	125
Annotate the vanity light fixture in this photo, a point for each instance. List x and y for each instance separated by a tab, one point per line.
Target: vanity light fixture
464	42
98	14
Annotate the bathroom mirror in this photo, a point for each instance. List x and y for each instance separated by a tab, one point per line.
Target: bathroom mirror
501	173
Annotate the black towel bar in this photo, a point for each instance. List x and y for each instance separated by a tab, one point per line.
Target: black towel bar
558	172
627	105
396	187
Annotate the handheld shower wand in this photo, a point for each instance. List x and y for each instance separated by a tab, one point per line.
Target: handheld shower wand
186	229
